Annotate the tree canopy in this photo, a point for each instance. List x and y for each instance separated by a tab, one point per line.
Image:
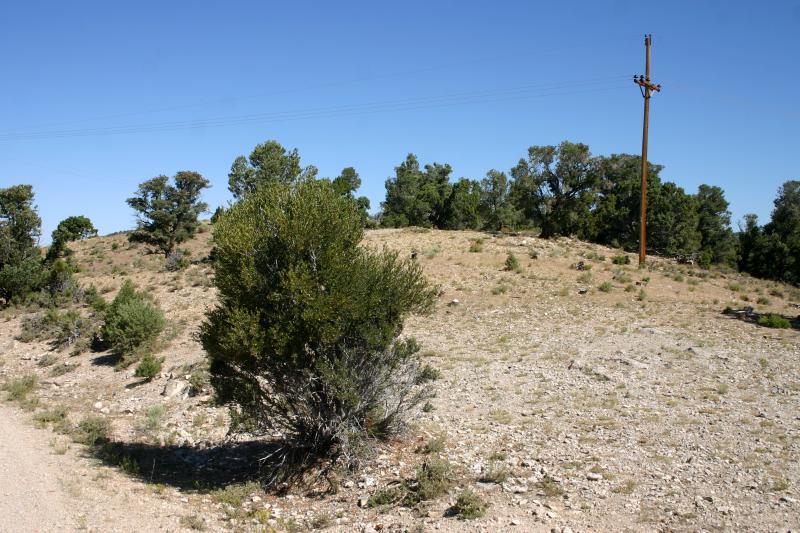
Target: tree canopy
167	212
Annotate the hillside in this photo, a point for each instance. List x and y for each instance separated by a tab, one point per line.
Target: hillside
610	398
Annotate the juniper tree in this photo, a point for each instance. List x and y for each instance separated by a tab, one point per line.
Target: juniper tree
305	339
20	227
70	229
268	162
167	213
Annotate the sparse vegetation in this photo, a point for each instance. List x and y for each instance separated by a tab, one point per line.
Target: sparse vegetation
469	506
92	430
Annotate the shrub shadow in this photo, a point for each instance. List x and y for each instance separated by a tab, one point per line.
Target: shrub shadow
188	467
107	359
748	314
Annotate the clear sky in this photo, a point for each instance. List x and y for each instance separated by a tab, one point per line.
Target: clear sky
99	96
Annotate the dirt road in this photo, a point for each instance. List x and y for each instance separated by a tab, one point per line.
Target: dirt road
43	491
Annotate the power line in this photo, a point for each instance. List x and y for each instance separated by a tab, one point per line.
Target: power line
426	102
541	51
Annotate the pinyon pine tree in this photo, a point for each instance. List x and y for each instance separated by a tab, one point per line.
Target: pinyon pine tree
305	339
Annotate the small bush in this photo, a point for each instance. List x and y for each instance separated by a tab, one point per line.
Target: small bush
60	370
763	300
153	417
735	287
432	479
92	430
772	320
434	445
495	472
621	260
178	260
149	367
512	263
18	389
95	300
235	494
476	246
133	324
468	506
56	415
47	359
605	287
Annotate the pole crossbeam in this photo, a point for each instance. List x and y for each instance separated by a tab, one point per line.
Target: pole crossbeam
647	87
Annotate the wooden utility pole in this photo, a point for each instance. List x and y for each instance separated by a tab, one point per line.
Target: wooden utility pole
646	87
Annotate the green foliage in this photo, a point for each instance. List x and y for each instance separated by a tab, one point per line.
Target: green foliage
92	430
432	479
416	197
167	214
218	212
615	218
63	328
235	494
269	162
771	320
717	243
19	280
346	184
149	367
305	340
20	227
469	506
773	251
512	263
178	260
19	388
132	324
555	186
621	260
495	206
672	221
605	287
476	246
462	208
70	229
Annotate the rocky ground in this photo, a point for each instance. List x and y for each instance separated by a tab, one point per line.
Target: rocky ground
602	399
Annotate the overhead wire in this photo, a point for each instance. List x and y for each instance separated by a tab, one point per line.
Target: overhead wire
405	104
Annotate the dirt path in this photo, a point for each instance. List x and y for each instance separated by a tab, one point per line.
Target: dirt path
31	494
42	491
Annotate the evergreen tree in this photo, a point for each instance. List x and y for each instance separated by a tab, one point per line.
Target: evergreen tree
495	208
555	187
268	162
717	244
463	204
167	214
70	229
21	270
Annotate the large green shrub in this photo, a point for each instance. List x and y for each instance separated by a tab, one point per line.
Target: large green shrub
305	339
132	325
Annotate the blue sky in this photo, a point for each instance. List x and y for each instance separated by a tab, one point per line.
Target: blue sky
99	96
